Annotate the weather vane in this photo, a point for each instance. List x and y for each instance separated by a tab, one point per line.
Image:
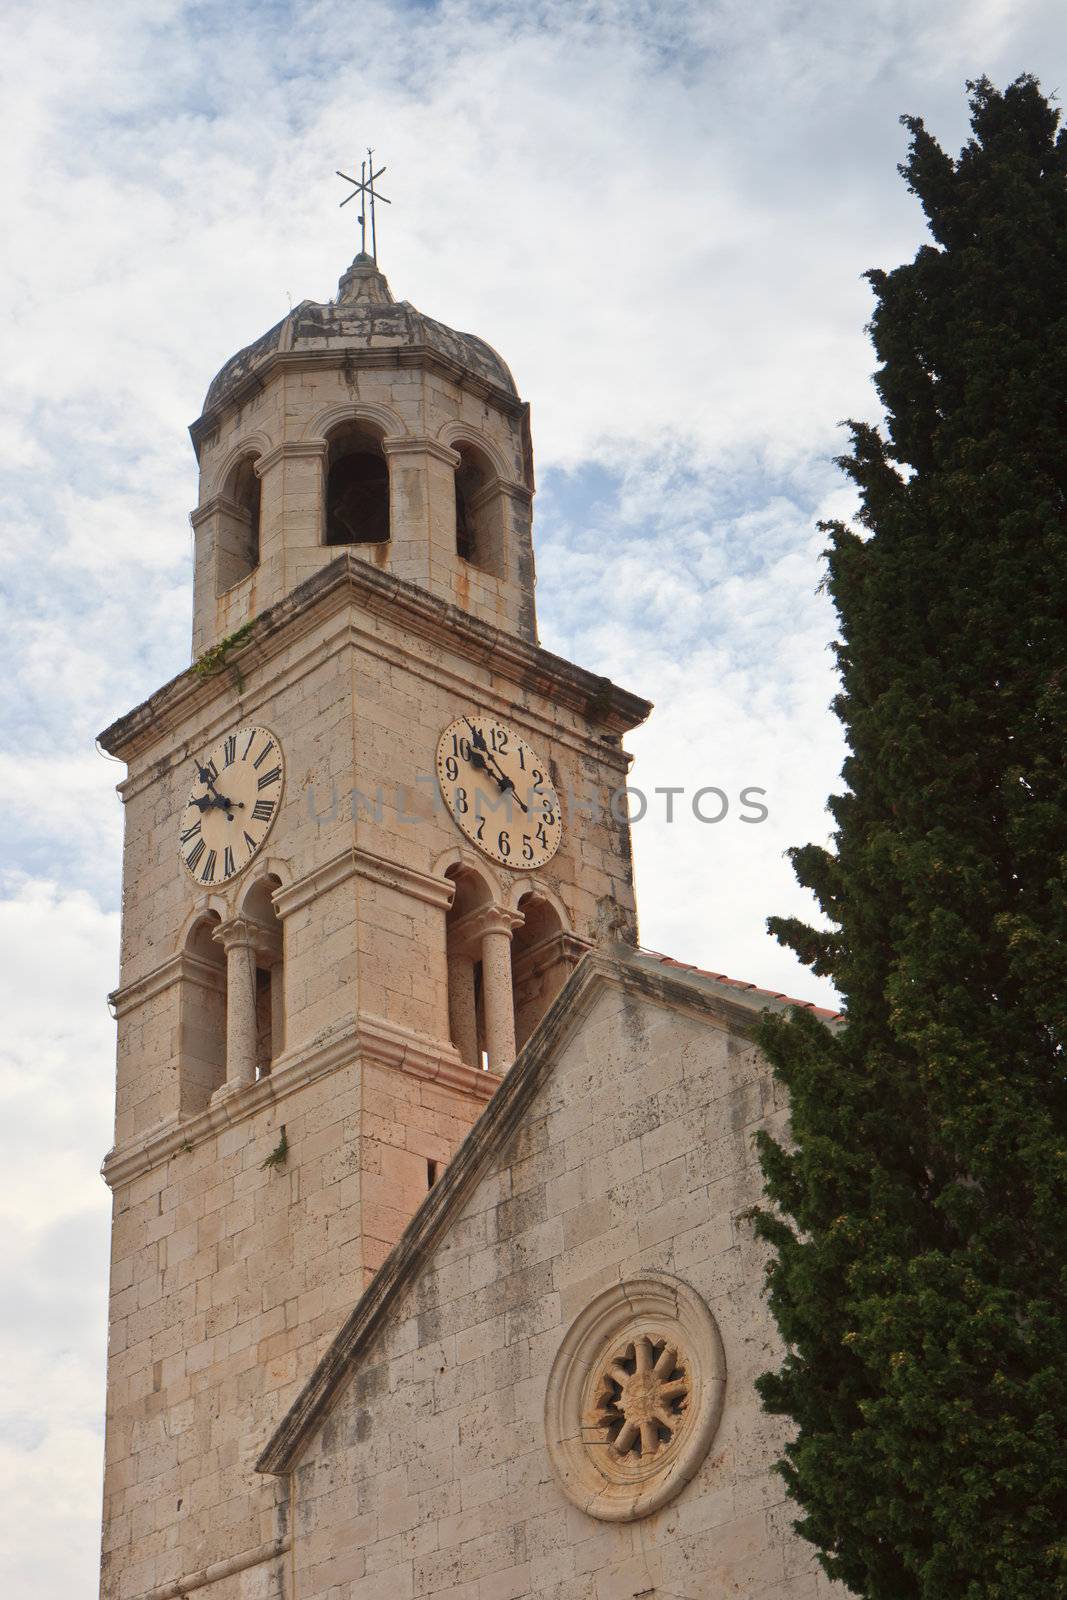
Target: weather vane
363	187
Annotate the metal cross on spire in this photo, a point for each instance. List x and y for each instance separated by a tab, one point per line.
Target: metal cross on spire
363	187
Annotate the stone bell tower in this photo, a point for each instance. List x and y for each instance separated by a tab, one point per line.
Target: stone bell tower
325	968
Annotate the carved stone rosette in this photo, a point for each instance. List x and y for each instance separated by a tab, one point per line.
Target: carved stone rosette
634	1397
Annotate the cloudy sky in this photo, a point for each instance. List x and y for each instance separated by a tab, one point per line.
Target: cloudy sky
659	213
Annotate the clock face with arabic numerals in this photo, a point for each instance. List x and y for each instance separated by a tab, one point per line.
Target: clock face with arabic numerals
232	805
498	791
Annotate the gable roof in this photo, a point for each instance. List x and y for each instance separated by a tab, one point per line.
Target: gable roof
659	979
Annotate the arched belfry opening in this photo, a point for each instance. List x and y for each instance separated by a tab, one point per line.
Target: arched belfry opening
239	525
202	1019
258	909
539	965
466	988
357	486
479	511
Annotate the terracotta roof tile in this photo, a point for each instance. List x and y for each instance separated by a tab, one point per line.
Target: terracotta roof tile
739	983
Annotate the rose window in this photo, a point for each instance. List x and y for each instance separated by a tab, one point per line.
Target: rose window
634	1397
643	1396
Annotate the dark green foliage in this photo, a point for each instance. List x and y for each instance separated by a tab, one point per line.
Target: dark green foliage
919	1271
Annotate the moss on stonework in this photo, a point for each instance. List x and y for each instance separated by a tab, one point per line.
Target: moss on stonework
212	661
278	1156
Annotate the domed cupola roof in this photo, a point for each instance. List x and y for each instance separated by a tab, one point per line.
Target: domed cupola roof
364	316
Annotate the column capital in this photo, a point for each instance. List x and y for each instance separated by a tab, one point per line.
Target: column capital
467	932
292	450
421	445
246	933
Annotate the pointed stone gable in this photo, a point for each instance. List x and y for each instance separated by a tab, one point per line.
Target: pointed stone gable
618	1153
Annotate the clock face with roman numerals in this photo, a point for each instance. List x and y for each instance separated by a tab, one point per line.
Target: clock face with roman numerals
234	800
499	791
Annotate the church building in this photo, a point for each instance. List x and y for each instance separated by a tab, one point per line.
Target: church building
430	1272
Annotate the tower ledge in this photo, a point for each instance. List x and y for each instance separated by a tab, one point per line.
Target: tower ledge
349	579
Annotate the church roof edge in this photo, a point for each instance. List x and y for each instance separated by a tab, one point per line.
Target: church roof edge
751	992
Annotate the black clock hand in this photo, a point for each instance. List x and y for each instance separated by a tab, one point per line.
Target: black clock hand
208	781
505	784
484	755
477	760
205	802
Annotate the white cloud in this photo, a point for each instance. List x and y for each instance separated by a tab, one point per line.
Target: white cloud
733	652
58	958
66	812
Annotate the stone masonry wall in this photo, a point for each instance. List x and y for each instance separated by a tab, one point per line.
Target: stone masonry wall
229	1278
283	422
227	1281
430	1477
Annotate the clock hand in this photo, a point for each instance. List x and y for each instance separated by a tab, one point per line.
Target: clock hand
205	802
205	778
480	749
477	760
505	784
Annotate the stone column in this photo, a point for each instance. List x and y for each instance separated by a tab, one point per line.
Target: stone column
495	927
239	939
462	1015
484	935
497	998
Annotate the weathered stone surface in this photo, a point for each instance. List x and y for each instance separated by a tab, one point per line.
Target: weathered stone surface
229	1275
426	392
300	1146
437	1433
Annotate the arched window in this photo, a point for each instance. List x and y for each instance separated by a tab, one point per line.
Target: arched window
539	967
258	907
479	511
357	487
202	1018
239	517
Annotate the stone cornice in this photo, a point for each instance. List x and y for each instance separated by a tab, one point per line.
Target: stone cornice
391	1045
548	952
492	490
358	1038
351	581
354	862
396	356
208	974
211	508
517	491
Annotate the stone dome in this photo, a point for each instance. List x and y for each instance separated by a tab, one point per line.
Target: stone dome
363	316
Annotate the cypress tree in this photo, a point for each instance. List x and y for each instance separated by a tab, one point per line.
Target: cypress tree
918	1273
